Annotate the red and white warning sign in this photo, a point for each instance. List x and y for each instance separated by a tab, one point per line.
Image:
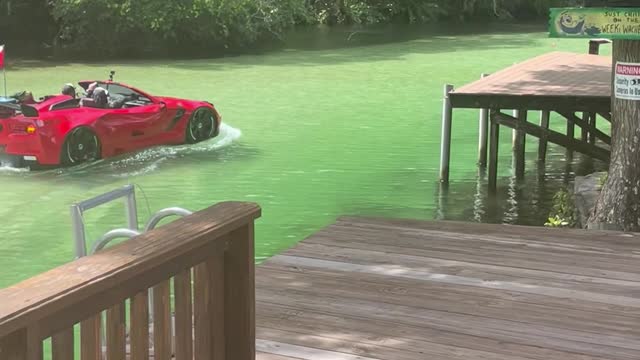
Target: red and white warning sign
627	81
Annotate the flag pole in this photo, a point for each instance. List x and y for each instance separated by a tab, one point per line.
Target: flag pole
4	68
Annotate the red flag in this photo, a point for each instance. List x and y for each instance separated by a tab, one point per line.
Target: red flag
1	56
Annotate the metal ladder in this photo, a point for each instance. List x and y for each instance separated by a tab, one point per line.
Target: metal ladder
128	193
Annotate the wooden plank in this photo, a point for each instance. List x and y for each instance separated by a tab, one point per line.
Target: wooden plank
548	297
327	275
116	333
483	132
209	311
494	144
364	253
593	117
394	334
162	321
586	127
239	295
332	346
547	82
90	340
470	244
14	346
184	315
544	124
139	342
556	73
602	241
557	138
408	289
65	295
62	345
267	356
445	140
305	352
520	143
376	309
584	132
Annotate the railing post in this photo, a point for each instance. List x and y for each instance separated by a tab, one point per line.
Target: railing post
239	295
14	346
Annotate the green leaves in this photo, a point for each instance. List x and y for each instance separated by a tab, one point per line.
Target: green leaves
563	210
200	27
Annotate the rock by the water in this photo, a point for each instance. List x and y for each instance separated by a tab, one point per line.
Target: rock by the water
585	193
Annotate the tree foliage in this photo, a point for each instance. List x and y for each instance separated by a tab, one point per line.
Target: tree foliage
196	27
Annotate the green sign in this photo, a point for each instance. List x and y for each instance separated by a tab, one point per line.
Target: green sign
610	23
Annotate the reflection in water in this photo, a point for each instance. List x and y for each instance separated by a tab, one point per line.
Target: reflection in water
517	202
135	163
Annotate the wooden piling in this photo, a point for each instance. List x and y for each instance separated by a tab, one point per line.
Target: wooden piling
544	124
519	145
584	133
483	127
592	123
514	132
494	137
445	141
571	129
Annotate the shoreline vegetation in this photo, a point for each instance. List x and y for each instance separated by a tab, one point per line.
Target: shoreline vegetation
87	29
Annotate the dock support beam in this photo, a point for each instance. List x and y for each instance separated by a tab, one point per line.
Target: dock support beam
483	127
571	131
445	141
494	137
544	124
592	123
519	143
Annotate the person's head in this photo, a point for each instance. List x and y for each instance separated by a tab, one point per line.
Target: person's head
68	89
100	97
25	97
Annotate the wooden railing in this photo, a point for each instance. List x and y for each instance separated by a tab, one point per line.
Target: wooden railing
211	251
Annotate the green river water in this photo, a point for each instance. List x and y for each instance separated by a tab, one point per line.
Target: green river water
332	122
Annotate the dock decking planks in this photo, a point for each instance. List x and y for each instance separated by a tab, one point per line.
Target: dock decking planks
367	288
556	77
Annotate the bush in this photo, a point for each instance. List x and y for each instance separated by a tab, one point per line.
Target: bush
201	27
563	212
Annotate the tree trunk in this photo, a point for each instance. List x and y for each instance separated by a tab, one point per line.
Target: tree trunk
618	206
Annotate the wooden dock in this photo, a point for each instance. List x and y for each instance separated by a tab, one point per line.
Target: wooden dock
403	289
575	86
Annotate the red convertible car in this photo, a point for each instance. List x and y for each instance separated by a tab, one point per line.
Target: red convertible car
65	130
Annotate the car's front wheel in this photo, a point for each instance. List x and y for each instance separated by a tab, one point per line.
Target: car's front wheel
82	145
201	126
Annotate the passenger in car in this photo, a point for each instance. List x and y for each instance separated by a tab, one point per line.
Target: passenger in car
69	89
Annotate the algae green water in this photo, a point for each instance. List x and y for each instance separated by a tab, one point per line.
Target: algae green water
333	122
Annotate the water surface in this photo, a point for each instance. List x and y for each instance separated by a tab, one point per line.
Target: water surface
332	122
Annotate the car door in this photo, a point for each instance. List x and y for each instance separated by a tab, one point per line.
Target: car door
133	128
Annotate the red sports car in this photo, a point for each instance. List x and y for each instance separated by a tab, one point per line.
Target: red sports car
64	130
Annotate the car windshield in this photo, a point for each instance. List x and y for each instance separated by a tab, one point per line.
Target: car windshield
116	90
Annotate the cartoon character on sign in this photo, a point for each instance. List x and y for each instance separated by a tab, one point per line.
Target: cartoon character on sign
573	24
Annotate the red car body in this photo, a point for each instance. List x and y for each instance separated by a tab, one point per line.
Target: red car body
36	133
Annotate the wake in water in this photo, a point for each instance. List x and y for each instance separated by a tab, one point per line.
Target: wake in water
144	161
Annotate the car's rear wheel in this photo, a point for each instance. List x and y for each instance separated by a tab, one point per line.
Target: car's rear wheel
201	126
81	145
